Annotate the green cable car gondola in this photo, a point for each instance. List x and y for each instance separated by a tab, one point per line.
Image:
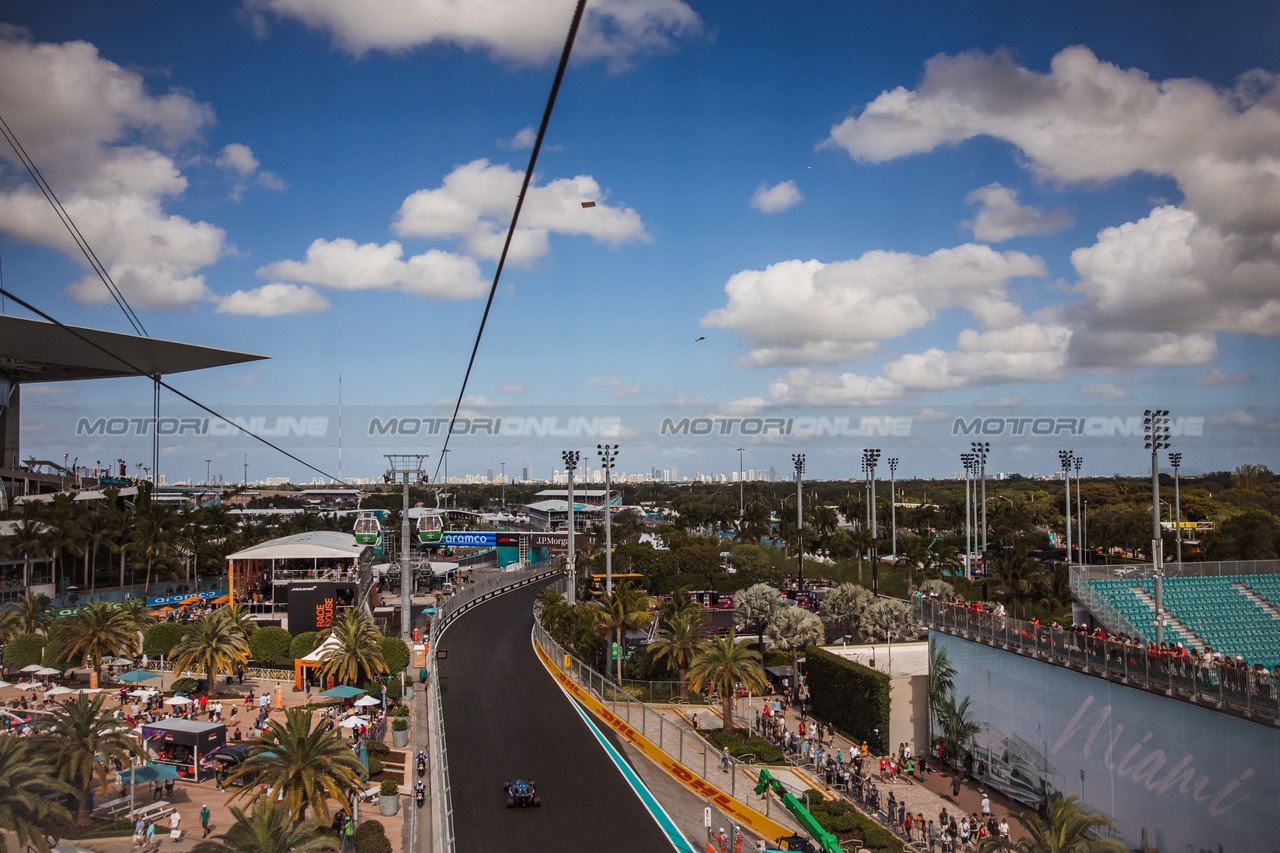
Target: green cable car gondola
368	529
430	528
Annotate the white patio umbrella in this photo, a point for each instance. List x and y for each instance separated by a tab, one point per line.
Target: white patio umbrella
368	700
58	691
4	684
177	700
142	694
352	722
29	685
31	667
89	691
48	670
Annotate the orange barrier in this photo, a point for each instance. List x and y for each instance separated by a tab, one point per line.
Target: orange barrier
737	811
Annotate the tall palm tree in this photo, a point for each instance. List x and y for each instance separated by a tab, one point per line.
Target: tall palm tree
28	804
28	541
843	605
862	542
913	553
680	643
96	529
100	630
151	543
10	625
307	763
941	681
626	607
238	616
682	604
1019	576
756	606
792	630
32	615
83	740
59	532
269	828
725	663
1067	829
357	657
212	645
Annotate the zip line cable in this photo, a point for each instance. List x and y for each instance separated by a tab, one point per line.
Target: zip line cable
515	216
164	384
70	224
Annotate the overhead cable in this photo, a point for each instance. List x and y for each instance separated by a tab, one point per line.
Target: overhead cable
515	217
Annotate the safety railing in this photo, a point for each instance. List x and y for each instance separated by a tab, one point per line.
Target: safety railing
473	595
692	752
1098	603
1250	693
1173	569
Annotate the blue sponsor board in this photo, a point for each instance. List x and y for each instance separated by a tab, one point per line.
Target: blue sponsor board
470	537
1170	774
183	596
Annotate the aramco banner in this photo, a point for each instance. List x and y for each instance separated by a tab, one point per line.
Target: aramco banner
1174	775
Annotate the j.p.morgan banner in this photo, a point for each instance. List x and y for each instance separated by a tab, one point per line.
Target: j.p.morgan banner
553	426
1186	777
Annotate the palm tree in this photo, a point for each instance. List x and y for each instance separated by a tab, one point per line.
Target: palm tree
1018	574
82	742
96	528
682	604
238	616
269	829
756	606
1067	829
357	657
888	619
32	618
913	552
555	613
844	604
212	644
724	663
792	630
10	625
27	794
862	542
680	643
941	681
307	763
626	607
28	540
957	727
152	543
97	631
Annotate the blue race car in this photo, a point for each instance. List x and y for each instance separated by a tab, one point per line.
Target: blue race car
522	793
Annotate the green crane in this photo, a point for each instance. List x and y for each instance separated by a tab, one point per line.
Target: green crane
826	841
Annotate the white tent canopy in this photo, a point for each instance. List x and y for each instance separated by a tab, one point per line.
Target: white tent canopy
330	642
314	545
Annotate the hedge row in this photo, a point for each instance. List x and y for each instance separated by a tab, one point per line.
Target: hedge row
740	742
841	818
849	695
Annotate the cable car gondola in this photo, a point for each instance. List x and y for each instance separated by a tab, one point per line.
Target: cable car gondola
430	528
368	529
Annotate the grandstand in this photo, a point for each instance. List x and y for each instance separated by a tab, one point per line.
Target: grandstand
1232	608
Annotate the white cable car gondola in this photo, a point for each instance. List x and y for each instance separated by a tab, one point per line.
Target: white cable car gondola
430	528
367	529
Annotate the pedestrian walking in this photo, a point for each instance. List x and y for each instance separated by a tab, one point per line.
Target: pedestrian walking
724	759
955	788
204	820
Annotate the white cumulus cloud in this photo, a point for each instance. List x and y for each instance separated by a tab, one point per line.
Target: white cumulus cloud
475	201
108	145
1221	377
523	32
342	264
273	300
523	139
239	160
806	312
1001	218
776	198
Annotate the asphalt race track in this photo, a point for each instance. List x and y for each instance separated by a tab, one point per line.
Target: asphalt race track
505	718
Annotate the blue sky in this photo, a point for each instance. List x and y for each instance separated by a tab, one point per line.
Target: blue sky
924	210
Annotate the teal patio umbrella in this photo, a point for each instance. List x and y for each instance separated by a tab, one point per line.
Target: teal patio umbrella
343	691
145	774
137	675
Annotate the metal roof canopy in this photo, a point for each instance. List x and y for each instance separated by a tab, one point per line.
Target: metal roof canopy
36	351
313	545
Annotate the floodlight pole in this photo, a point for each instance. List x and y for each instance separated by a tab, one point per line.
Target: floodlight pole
608	455
1156	428
1175	459
798	459
570	458
893	504
1064	458
742	500
1079	462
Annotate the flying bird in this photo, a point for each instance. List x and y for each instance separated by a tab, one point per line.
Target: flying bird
703	338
